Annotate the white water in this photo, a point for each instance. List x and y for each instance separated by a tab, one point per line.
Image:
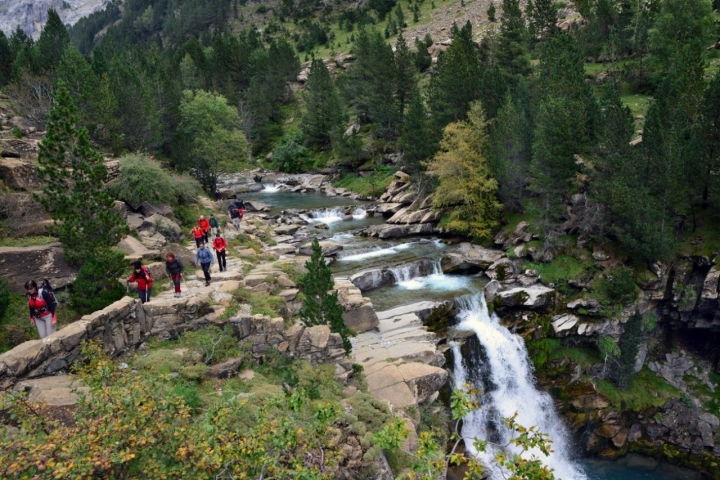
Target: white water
374	252
332	215
270	188
511	389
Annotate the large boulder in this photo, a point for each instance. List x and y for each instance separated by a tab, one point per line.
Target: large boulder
18	174
160	224
423	380
148	209
396	231
18	148
468	256
328	248
256	206
185	255
56	391
20	264
536	297
134	250
370	279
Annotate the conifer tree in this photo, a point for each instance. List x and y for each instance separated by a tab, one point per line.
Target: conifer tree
456	82
511	52
405	74
423	60
321	306
73	173
466	186
542	17
50	46
707	136
416	141
491	13
6	60
323	114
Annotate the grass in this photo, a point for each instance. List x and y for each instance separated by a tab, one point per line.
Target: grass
30	241
261	303
647	389
371	186
639	105
560	270
705	240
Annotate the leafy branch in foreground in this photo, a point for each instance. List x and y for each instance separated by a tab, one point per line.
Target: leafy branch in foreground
432	463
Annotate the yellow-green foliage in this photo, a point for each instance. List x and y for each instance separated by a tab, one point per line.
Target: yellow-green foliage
263	304
646	389
465	183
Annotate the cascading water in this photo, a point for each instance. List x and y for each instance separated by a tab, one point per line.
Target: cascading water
331	215
372	252
267	188
508	387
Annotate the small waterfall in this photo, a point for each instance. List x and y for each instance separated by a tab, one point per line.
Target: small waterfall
332	215
508	388
268	188
372	252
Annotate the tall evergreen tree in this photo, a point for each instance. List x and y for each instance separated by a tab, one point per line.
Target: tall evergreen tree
321	305
707	136
542	17
456	81
679	23
405	71
512	51
6	60
322	115
51	45
416	141
73	172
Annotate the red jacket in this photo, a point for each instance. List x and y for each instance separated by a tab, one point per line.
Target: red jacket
219	244
197	232
204	225
144	283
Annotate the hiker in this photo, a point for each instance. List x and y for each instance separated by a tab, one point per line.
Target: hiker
42	305
174	268
257	178
235	217
218	195
214	225
238	204
205	259
220	245
205	226
198	234
142	276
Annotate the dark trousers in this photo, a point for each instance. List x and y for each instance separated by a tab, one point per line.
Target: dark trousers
206	270
222	262
144	295
206	235
198	241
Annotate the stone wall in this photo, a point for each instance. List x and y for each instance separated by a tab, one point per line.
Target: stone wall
123	326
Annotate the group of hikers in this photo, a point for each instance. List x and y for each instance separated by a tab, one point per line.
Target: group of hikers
43	304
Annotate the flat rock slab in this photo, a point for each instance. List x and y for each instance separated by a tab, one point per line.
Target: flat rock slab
17	264
57	391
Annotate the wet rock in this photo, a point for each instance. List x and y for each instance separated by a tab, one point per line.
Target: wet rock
396	231
328	248
370	279
564	323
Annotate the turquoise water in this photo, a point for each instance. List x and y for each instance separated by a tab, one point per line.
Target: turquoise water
282	200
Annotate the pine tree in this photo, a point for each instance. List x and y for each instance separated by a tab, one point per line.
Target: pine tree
50	46
321	305
707	136
6	59
73	173
466	186
511	52
423	60
491	13
322	115
456	81
405	74
542	18
416	141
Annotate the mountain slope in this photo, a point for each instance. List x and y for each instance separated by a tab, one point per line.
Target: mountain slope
31	15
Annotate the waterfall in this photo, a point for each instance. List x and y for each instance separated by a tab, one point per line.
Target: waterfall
267	188
411	278
508	387
372	252
331	215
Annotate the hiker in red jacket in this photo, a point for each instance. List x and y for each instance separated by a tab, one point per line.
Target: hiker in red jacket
220	245
205	226
142	276
42	305
198	235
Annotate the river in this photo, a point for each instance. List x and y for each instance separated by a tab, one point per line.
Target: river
511	385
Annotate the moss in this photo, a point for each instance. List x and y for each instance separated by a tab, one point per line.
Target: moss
562	270
371	186
160	361
646	389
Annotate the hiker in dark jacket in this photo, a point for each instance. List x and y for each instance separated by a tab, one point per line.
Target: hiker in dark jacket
142	276
42	305
174	268
205	259
214	225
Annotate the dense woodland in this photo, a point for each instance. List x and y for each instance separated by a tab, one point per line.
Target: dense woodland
506	124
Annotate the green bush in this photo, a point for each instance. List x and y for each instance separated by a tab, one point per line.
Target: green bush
188	392
96	285
618	285
142	179
212	343
289	155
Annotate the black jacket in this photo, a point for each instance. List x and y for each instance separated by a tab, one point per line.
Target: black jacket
175	267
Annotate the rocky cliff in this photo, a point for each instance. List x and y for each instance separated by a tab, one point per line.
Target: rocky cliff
31	15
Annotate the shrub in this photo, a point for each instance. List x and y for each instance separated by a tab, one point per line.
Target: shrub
289	155
96	285
142	179
618	285
212	343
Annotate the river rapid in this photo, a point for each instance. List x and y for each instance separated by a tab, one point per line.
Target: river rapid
506	373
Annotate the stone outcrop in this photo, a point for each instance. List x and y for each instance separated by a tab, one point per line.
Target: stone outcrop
31	15
328	248
535	297
358	312
470	257
18	174
135	250
20	264
396	231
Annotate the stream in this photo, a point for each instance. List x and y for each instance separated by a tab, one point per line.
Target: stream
505	373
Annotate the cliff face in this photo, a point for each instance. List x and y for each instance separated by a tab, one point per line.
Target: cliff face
31	15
